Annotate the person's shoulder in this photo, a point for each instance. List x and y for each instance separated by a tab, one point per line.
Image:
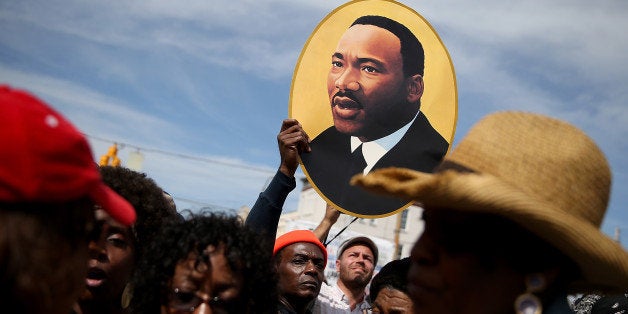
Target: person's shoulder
615	303
423	124
422	136
281	309
326	291
329	146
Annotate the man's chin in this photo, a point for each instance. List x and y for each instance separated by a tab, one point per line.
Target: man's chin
307	294
350	128
360	279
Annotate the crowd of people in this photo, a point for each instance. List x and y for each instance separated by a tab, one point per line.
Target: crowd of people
508	228
512	225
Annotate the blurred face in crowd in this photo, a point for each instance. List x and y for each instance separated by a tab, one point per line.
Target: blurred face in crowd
454	270
392	301
368	91
300	271
44	253
200	286
355	266
111	260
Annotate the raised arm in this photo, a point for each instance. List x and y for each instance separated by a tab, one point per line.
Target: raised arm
331	216
264	216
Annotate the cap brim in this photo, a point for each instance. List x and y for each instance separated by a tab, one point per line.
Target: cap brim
363	241
603	262
115	205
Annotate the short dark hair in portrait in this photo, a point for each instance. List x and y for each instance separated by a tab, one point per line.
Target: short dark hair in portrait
412	52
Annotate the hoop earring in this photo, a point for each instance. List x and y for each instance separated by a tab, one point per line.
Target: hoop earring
127	295
528	303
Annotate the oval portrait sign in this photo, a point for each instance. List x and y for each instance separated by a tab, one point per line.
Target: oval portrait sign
374	87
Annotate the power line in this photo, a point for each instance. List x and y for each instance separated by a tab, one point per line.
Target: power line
203	205
184	156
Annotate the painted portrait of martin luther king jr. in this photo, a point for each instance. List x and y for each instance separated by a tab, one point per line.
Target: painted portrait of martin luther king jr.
376	79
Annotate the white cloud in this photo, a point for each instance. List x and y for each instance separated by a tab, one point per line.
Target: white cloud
91	111
251	36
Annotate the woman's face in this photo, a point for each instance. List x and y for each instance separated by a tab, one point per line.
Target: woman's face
456	267
111	260
205	287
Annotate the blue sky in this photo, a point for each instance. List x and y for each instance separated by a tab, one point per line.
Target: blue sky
202	86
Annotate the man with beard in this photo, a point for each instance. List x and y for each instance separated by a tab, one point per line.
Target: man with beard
375	86
356	261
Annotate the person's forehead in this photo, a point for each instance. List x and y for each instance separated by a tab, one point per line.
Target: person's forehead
358	247
371	38
103	216
392	297
460	222
222	274
191	266
191	271
305	248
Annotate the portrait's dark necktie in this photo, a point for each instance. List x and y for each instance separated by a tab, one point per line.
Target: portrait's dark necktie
357	161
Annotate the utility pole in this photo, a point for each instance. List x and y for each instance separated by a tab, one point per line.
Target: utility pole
397	253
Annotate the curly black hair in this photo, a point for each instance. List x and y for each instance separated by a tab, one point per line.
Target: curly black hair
151	206
244	250
393	275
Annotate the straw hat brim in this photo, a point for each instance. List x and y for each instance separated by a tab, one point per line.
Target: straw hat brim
603	262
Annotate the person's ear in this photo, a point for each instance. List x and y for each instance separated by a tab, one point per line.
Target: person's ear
337	264
414	85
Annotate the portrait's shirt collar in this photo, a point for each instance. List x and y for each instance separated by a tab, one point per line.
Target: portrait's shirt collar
373	151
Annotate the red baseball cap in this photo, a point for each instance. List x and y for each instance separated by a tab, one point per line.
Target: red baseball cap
296	236
44	158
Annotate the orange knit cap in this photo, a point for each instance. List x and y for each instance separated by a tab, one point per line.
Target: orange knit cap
296	236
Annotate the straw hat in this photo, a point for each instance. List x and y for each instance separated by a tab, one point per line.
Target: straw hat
539	172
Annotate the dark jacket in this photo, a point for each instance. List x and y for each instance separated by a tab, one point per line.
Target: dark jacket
421	149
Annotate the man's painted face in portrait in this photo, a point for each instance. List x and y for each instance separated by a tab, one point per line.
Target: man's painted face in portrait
367	89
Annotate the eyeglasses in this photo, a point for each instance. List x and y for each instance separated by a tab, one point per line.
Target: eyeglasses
187	302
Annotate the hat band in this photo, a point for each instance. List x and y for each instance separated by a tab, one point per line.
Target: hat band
452	165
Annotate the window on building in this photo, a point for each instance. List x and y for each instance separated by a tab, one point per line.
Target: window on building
404	219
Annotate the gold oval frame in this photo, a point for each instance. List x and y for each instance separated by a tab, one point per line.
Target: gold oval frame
309	101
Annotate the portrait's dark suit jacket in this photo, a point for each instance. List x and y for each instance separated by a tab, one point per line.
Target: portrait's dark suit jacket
421	149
